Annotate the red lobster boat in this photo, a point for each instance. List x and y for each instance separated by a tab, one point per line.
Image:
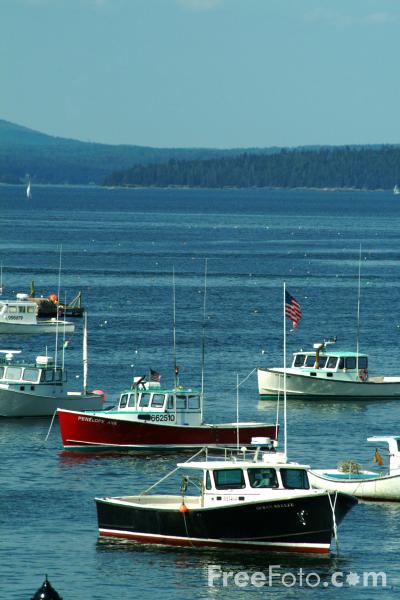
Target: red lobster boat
149	417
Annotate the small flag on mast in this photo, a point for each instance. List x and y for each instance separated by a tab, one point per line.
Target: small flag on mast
292	309
154	375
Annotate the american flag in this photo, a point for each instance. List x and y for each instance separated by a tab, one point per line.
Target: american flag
154	375
292	309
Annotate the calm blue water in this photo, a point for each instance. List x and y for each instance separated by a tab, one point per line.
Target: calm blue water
119	247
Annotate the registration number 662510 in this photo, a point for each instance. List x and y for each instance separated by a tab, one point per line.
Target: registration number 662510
162	418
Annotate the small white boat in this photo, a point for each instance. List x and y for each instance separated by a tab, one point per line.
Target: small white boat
29	190
396	190
323	374
368	485
19	317
251	500
38	389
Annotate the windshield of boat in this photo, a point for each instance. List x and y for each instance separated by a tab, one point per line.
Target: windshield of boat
299	360
123	400
144	400
331	363
310	360
226	479
262	478
295	479
158	400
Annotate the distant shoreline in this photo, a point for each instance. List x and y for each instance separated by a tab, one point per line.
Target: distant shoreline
183	187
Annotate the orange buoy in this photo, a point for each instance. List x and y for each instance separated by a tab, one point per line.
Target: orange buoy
183	508
100	393
53	298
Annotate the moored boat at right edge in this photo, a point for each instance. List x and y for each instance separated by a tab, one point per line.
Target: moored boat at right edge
324	374
350	478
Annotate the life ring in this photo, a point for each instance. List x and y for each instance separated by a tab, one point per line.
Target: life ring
363	374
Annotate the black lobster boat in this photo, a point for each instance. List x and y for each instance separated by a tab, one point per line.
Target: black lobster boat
257	501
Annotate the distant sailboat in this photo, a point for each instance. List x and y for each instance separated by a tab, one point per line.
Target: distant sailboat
28	190
396	190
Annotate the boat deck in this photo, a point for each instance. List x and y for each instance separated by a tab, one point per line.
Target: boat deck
164	501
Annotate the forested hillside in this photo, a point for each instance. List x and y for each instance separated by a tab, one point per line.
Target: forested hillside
332	167
49	159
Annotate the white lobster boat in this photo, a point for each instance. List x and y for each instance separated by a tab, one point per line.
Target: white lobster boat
323	374
19	317
38	389
368	485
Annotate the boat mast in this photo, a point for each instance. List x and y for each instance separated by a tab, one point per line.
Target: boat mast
358	312
237	411
64	344
58	296
284	372
203	341
174	328
85	354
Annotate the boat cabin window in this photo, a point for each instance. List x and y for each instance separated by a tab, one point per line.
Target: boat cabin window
132	400
310	360
299	360
181	402
227	479
208	481
170	402
47	375
322	361
123	400
331	362
12	309
31	374
295	479
350	362
31	309
144	400
158	401
1	372
193	402
262	478
22	309
14	373
362	362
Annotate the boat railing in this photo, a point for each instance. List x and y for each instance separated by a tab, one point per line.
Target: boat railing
201	451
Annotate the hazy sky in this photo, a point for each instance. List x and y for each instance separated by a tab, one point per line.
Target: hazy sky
215	73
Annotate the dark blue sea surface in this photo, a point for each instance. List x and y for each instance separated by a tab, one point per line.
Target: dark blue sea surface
120	247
